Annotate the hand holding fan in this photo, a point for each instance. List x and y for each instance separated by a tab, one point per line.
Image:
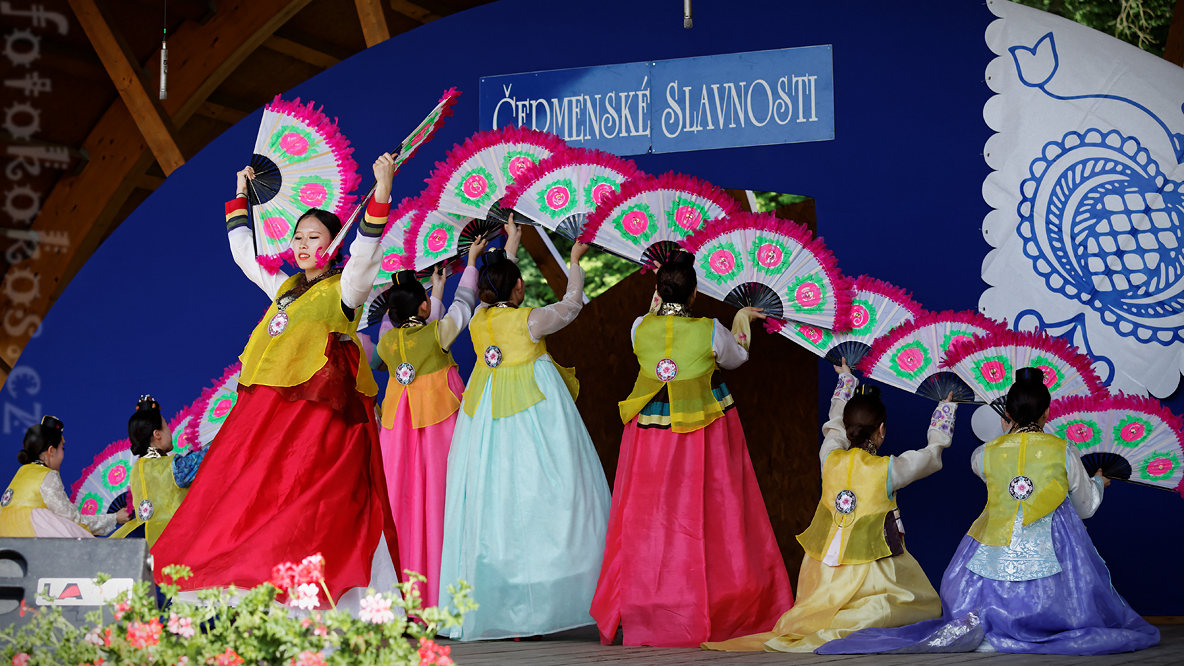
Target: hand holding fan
1130	438
909	355
647	219
760	260
560	191
474	176
876	308
301	161
407	148
988	364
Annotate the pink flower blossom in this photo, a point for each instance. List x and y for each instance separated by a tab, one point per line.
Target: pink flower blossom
304	596
182	661
311	569
181	626
431	653
283	576
309	658
376	609
228	658
20	659
121	608
321	630
141	635
93	637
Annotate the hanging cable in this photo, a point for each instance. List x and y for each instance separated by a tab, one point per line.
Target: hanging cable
164	51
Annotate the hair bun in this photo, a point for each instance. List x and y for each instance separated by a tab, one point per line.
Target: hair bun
495	256
146	402
680	258
1029	375
53	422
403	277
868	390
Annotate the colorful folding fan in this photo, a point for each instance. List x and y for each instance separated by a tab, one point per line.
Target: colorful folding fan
988	364
214	405
646	220
420	135
876	308
301	161
909	355
435	236
760	260
394	258
1132	438
474	176
563	189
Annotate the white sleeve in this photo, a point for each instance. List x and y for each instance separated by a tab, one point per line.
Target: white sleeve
461	311
976	461
242	248
920	463
834	433
633	330
56	499
546	320
1084	490
360	271
728	353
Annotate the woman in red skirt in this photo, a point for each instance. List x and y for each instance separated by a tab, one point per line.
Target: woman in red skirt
296	468
690	554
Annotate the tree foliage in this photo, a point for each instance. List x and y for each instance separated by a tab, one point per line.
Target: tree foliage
1143	23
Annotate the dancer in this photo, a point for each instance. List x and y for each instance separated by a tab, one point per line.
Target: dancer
527	500
1026	578
419	411
690	554
856	572
158	481
296	468
35	503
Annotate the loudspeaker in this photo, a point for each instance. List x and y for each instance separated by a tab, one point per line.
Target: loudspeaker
64	570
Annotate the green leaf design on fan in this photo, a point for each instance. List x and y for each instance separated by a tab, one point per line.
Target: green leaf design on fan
685	216
862	311
295	142
595	181
807	294
1084	433
1159	466
114	476
515	157
418	135
437	241
910	361
1052	370
636	223
557	198
769	255
993	372
314	192
476	187
952	337
721	262
1132	431
389	264
815	336
90	504
217	403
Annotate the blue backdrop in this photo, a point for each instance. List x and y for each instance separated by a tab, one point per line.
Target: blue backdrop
161	307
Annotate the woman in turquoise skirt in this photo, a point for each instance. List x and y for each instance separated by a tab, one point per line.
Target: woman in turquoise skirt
526	505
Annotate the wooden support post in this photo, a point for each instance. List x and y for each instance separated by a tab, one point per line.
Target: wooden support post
553	272
128	78
413	11
1173	51
373	21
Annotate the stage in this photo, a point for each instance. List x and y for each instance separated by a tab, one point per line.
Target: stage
581	646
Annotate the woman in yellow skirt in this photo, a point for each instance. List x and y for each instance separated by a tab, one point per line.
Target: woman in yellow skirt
856	572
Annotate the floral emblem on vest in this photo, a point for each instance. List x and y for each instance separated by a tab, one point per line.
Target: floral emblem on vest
1021	487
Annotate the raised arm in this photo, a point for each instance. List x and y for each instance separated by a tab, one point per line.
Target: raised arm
365	253
834	433
920	463
242	239
461	311
731	348
545	321
56	499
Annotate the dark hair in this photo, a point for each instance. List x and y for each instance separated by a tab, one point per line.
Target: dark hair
497	278
40	438
330	220
676	278
142	424
863	415
404	297
1028	397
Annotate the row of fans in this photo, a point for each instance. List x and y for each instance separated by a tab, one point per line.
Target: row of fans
742	258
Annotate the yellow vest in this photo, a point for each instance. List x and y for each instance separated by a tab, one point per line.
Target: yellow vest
18	501
293	356
854	495
157	497
506	355
1021	469
684	370
419	368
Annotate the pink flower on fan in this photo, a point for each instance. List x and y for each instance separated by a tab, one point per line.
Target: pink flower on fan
432	653
181	625
20	659
376	609
309	658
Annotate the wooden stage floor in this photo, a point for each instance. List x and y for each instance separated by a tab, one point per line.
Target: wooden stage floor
582	647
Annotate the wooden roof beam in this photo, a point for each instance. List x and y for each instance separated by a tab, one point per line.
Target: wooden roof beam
128	78
374	27
413	11
305	54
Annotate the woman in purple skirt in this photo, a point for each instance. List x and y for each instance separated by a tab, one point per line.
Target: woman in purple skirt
1026	577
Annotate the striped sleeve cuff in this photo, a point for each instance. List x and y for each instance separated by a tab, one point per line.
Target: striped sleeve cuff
375	220
236	214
